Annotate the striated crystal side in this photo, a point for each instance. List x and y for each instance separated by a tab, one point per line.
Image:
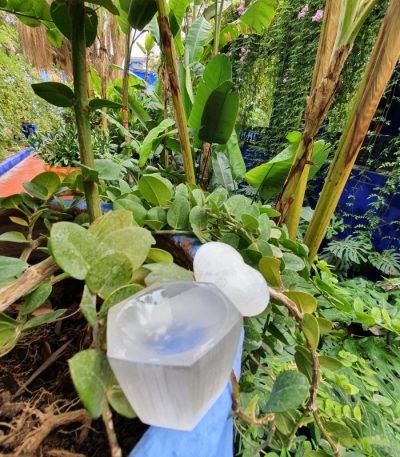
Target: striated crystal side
171	348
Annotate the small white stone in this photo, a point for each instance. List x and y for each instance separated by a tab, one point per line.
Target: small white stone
223	266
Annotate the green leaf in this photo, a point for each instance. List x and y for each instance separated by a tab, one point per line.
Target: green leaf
303	361
13	237
112	271
55	93
222	171
160	272
91	23
119	402
339	433
234	154
178	213
325	325
220	113
108	5
289	391
19	221
11	267
108	169
110	222
217	71
44	185
118	296
11	202
157	255
270	268
61	17
198	219
73	248
293	262
88	306
155	189
178	8
259	15
330	362
311	330
10	332
198	36
54	36
146	147
35	299
47	318
99	103
141	12
135	242
306	302
91	375
136	208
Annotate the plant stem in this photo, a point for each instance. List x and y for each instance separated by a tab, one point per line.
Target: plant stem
78	45
31	278
381	65
109	425
125	81
336	42
172	67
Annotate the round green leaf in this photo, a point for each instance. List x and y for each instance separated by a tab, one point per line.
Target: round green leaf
119	402
306	302
110	222
111	271
118	296
135	242
73	248
11	267
155	189
178	214
289	391
36	298
91	374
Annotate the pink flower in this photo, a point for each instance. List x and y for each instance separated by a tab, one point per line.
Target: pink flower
242	59
318	16
285	80
303	12
242	50
241	8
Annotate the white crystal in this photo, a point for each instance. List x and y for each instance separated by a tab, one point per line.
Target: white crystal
171	348
222	265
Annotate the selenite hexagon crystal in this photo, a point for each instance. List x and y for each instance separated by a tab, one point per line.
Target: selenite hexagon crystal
172	347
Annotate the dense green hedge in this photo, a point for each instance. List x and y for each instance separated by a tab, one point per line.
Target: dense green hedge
18	103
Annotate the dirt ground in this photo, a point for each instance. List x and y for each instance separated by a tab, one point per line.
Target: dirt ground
40	414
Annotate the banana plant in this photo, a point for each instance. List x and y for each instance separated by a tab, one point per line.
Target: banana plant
383	60
343	20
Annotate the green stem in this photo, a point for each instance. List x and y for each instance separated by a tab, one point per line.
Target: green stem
78	45
168	48
217	25
125	81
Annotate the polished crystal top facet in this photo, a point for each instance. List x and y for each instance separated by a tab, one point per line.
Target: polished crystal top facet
173	323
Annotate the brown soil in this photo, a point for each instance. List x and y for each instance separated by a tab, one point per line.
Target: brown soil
44	417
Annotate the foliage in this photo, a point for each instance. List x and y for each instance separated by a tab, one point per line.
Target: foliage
60	148
18	103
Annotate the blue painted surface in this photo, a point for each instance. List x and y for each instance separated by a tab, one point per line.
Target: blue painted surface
356	199
28	129
212	437
14	160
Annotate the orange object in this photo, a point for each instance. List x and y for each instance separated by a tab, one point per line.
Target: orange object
11	182
60	170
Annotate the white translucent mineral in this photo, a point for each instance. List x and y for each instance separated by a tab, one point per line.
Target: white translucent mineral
172	347
222	265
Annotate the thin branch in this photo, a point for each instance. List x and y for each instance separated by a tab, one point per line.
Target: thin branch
109	425
31	278
236	406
